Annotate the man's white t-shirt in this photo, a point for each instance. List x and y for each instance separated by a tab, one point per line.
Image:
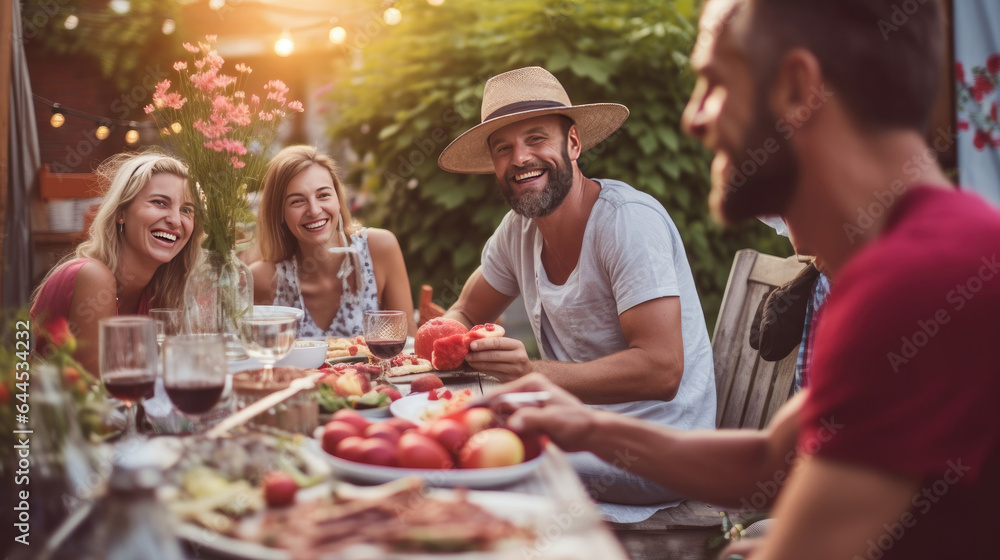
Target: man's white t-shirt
632	253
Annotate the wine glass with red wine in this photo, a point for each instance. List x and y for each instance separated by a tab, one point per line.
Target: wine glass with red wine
194	372
127	347
385	335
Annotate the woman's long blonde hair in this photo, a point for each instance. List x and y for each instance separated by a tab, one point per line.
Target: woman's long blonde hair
121	178
275	239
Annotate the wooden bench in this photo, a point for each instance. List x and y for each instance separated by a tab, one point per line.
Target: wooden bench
749	391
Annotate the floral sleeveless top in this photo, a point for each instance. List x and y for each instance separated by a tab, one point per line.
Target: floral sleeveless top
349	320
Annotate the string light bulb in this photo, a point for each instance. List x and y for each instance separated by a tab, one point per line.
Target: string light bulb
338	35
102	131
176	128
216	5
58	118
132	136
284	46
120	7
392	16
435	2
71	22
169	26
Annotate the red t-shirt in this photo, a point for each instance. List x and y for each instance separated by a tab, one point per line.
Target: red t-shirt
906	372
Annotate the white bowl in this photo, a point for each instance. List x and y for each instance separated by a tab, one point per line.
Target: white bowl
305	354
271	310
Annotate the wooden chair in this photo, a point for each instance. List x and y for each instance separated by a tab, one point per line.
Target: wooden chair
428	309
749	391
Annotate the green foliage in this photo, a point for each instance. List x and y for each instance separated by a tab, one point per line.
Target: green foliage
126	47
420	85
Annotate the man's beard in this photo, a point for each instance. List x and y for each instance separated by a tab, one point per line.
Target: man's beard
536	204
758	182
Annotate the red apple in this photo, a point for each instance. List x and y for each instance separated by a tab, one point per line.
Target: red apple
451	434
477	419
279	489
401	424
382	431
352	383
425	382
391	391
495	447
336	431
352	417
376	451
417	451
350	449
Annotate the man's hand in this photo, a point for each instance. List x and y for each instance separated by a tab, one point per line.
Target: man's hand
564	418
502	357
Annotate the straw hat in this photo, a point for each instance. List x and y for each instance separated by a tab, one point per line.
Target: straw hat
524	94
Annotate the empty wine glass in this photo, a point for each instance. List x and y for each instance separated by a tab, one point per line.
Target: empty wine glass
168	323
127	347
385	335
268	337
194	372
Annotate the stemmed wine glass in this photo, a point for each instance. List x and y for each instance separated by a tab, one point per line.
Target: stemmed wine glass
168	323
127	346
269	338
385	335
194	372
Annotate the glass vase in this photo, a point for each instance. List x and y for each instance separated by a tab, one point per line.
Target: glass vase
218	293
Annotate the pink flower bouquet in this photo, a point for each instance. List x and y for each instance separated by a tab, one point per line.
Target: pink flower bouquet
222	133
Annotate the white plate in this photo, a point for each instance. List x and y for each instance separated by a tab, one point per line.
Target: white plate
524	510
347	359
465	478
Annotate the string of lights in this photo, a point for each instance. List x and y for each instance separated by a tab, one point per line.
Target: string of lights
104	124
283	46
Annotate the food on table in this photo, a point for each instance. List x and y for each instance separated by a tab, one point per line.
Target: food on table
487	330
396	517
218	481
432	330
279	489
446	443
347	386
352	383
393	393
405	364
425	383
347	347
447	402
446	343
492	448
449	352
417	451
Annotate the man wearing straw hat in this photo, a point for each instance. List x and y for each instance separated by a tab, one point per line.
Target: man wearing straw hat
602	271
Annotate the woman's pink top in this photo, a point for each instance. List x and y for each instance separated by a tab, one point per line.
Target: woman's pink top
56	294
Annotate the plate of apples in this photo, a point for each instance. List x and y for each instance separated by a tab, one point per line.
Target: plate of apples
466	449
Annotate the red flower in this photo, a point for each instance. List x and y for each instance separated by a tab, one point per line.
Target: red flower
983	83
981	139
60	334
963	125
993	112
960	72
993	64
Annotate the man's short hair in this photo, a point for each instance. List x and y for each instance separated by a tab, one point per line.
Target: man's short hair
882	58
